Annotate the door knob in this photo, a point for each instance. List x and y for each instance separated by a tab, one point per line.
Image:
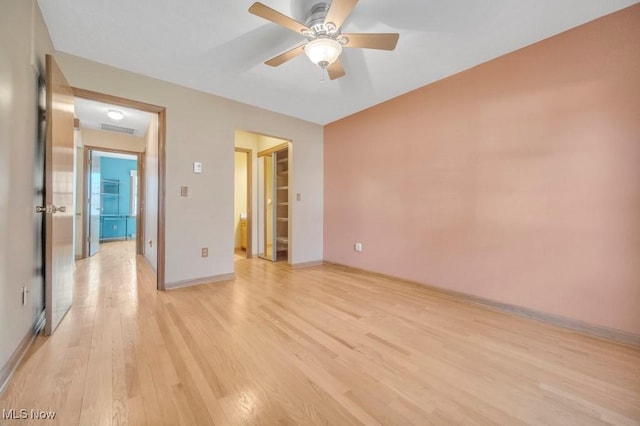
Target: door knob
50	209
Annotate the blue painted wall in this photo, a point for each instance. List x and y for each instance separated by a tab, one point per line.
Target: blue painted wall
117	169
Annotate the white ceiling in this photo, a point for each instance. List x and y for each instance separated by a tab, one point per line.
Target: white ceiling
93	114
216	46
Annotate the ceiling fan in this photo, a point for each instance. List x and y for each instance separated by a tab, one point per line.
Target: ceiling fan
323	31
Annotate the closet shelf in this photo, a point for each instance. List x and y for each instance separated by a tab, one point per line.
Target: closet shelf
274	186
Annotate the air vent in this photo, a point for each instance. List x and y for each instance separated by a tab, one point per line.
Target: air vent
118	129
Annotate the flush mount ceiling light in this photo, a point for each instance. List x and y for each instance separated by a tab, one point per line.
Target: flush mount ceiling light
114	114
323	51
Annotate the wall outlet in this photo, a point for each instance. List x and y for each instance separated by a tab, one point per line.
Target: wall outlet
150	243
298	197
357	247
205	252
184	191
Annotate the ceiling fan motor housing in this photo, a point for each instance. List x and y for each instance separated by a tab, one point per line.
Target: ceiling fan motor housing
321	29
316	22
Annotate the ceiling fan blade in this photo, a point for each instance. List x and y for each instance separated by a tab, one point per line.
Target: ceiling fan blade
336	70
381	41
284	57
276	17
339	11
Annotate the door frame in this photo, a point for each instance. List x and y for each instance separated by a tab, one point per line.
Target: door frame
162	164
85	195
249	154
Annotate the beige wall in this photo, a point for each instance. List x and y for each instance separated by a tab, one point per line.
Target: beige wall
18	107
201	127
240	195
517	180
150	214
112	140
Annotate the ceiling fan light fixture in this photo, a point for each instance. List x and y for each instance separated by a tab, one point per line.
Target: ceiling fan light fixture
323	51
114	114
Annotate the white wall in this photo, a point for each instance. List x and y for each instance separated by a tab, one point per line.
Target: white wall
78	191
150	213
22	31
201	127
240	195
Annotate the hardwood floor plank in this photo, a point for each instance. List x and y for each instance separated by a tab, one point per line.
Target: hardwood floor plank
321	345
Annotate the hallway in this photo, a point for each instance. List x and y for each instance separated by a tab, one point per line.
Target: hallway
319	345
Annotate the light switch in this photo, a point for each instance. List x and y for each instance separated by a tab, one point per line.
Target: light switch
298	197
197	167
184	191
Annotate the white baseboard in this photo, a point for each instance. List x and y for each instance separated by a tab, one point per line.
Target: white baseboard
199	281
301	265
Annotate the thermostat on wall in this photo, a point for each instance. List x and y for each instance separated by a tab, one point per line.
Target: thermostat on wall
197	167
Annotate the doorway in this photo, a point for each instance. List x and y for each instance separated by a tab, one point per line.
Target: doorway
111	198
150	170
264	208
57	205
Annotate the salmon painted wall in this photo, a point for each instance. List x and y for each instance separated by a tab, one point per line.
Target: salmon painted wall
517	180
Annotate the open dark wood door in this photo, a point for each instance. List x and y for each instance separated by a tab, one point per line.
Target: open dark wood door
58	209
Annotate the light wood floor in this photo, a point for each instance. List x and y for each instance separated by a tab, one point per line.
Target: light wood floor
314	346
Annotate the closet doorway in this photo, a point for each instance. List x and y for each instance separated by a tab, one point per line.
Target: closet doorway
273	203
267	217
